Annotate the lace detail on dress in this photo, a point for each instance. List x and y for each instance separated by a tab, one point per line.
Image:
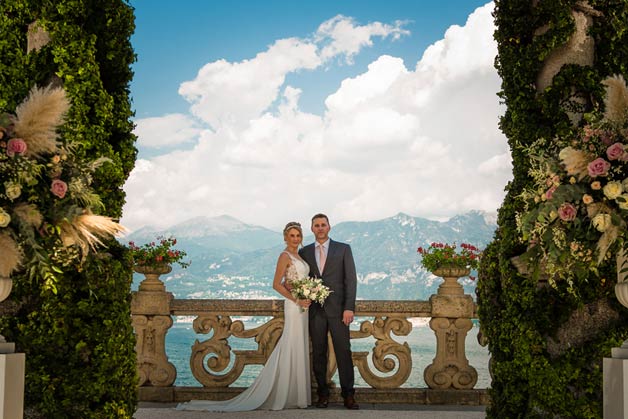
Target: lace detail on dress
291	274
298	269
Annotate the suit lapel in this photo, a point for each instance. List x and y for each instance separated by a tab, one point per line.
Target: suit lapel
311	255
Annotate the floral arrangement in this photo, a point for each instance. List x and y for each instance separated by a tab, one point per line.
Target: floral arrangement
439	255
574	215
47	219
156	254
310	289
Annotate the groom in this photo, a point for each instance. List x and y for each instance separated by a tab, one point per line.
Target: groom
333	262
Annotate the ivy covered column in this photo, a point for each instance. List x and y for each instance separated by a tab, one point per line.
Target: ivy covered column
73	321
545	290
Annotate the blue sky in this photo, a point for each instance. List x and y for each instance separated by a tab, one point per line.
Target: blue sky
271	111
172	43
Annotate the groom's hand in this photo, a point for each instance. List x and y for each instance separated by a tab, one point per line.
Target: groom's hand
347	317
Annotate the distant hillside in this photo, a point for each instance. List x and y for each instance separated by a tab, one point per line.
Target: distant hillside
232	259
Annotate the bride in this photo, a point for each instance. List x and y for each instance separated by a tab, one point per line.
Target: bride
284	382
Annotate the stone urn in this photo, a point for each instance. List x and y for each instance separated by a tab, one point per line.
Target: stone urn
152	273
6	284
621	289
450	274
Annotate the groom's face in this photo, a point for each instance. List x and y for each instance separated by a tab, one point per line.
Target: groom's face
320	228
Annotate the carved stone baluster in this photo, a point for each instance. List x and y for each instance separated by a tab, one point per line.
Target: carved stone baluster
451	320
386	348
211	357
150	313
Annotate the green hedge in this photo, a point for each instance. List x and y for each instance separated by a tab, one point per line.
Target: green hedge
518	317
79	343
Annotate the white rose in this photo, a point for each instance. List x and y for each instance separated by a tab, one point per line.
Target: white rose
306	293
612	190
601	222
5	218
12	190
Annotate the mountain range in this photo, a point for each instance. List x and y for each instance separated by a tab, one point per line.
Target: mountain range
232	259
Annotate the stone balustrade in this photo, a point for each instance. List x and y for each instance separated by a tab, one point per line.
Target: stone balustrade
216	365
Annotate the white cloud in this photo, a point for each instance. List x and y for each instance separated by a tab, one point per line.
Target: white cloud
230	94
341	36
165	131
422	141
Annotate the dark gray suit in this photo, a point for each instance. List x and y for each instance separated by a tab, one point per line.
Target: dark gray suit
339	275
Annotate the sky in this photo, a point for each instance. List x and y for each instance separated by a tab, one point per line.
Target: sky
271	111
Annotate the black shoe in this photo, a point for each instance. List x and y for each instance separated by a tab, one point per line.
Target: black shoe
322	402
350	403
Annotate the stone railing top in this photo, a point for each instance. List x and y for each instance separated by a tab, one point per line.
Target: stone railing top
187	307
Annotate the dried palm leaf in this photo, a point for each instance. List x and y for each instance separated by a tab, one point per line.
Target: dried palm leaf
606	241
38	118
87	230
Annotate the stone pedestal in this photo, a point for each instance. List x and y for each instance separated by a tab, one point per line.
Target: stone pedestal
452	311
615	388
150	316
12	386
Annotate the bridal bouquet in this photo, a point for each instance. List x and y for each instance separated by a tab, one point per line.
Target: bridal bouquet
310	289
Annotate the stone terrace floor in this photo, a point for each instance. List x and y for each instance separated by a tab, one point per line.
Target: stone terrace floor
367	411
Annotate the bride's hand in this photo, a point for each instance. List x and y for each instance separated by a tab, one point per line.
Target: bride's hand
304	303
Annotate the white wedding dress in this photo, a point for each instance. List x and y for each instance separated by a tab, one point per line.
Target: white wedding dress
284	382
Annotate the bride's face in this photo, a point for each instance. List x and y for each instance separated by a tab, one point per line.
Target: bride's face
293	237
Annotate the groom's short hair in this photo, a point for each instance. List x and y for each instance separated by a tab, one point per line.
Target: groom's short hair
320	215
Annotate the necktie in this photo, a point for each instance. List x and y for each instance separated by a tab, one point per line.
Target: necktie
321	259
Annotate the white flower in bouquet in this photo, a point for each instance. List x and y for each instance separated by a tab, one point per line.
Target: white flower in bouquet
310	289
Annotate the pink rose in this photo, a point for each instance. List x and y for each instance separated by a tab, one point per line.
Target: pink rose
550	192
567	212
615	151
16	146
58	188
598	167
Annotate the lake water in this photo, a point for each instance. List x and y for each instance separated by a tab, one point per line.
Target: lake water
421	340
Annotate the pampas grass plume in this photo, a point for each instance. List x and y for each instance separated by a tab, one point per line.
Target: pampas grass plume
10	255
575	161
38	118
616	100
29	214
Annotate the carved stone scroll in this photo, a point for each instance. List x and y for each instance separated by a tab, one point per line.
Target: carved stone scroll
384	352
216	350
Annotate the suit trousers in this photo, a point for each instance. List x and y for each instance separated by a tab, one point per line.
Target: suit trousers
320	323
